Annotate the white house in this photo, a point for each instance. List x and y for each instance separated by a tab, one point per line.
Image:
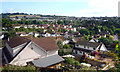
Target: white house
65	42
17	26
46	35
1	35
85	47
34	33
19	50
21	34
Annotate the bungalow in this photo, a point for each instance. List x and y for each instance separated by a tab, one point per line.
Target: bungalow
19	51
85	47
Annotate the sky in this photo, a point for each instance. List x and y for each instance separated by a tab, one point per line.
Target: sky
77	8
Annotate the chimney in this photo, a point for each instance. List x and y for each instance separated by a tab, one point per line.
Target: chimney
8	39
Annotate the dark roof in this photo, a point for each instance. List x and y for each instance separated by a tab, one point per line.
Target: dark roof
46	43
16	41
8	54
86	43
104	32
76	39
81	49
48	61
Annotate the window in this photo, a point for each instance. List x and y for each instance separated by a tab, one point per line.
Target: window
88	47
32	48
75	51
84	46
77	45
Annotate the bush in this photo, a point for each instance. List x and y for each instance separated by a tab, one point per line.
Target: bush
69	60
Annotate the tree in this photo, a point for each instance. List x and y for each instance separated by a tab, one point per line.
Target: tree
21	29
117	31
113	28
70	31
69	60
86	37
59	43
66	46
39	30
60	22
118	49
84	31
106	41
63	30
111	37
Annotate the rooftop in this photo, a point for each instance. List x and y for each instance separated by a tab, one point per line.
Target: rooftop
48	61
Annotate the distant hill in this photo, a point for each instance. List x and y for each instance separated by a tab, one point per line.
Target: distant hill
8	15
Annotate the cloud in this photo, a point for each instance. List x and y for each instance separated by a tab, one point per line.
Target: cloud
43	0
100	8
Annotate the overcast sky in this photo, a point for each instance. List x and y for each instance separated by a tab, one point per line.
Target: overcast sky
78	8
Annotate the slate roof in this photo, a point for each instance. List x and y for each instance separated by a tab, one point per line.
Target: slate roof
47	61
46	43
89	44
16	41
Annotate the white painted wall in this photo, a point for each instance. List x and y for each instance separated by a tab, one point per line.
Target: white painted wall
65	42
18	48
29	53
80	46
103	48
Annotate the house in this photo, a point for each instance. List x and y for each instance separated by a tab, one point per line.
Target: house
1	36
65	42
85	47
46	35
21	34
19	50
104	33
17	26
93	40
35	34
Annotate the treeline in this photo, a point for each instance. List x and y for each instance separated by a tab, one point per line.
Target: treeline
7	15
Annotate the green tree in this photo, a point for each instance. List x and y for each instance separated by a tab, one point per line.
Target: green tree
106	41
60	22
66	46
70	31
118	49
59	43
84	31
69	60
63	30
39	30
